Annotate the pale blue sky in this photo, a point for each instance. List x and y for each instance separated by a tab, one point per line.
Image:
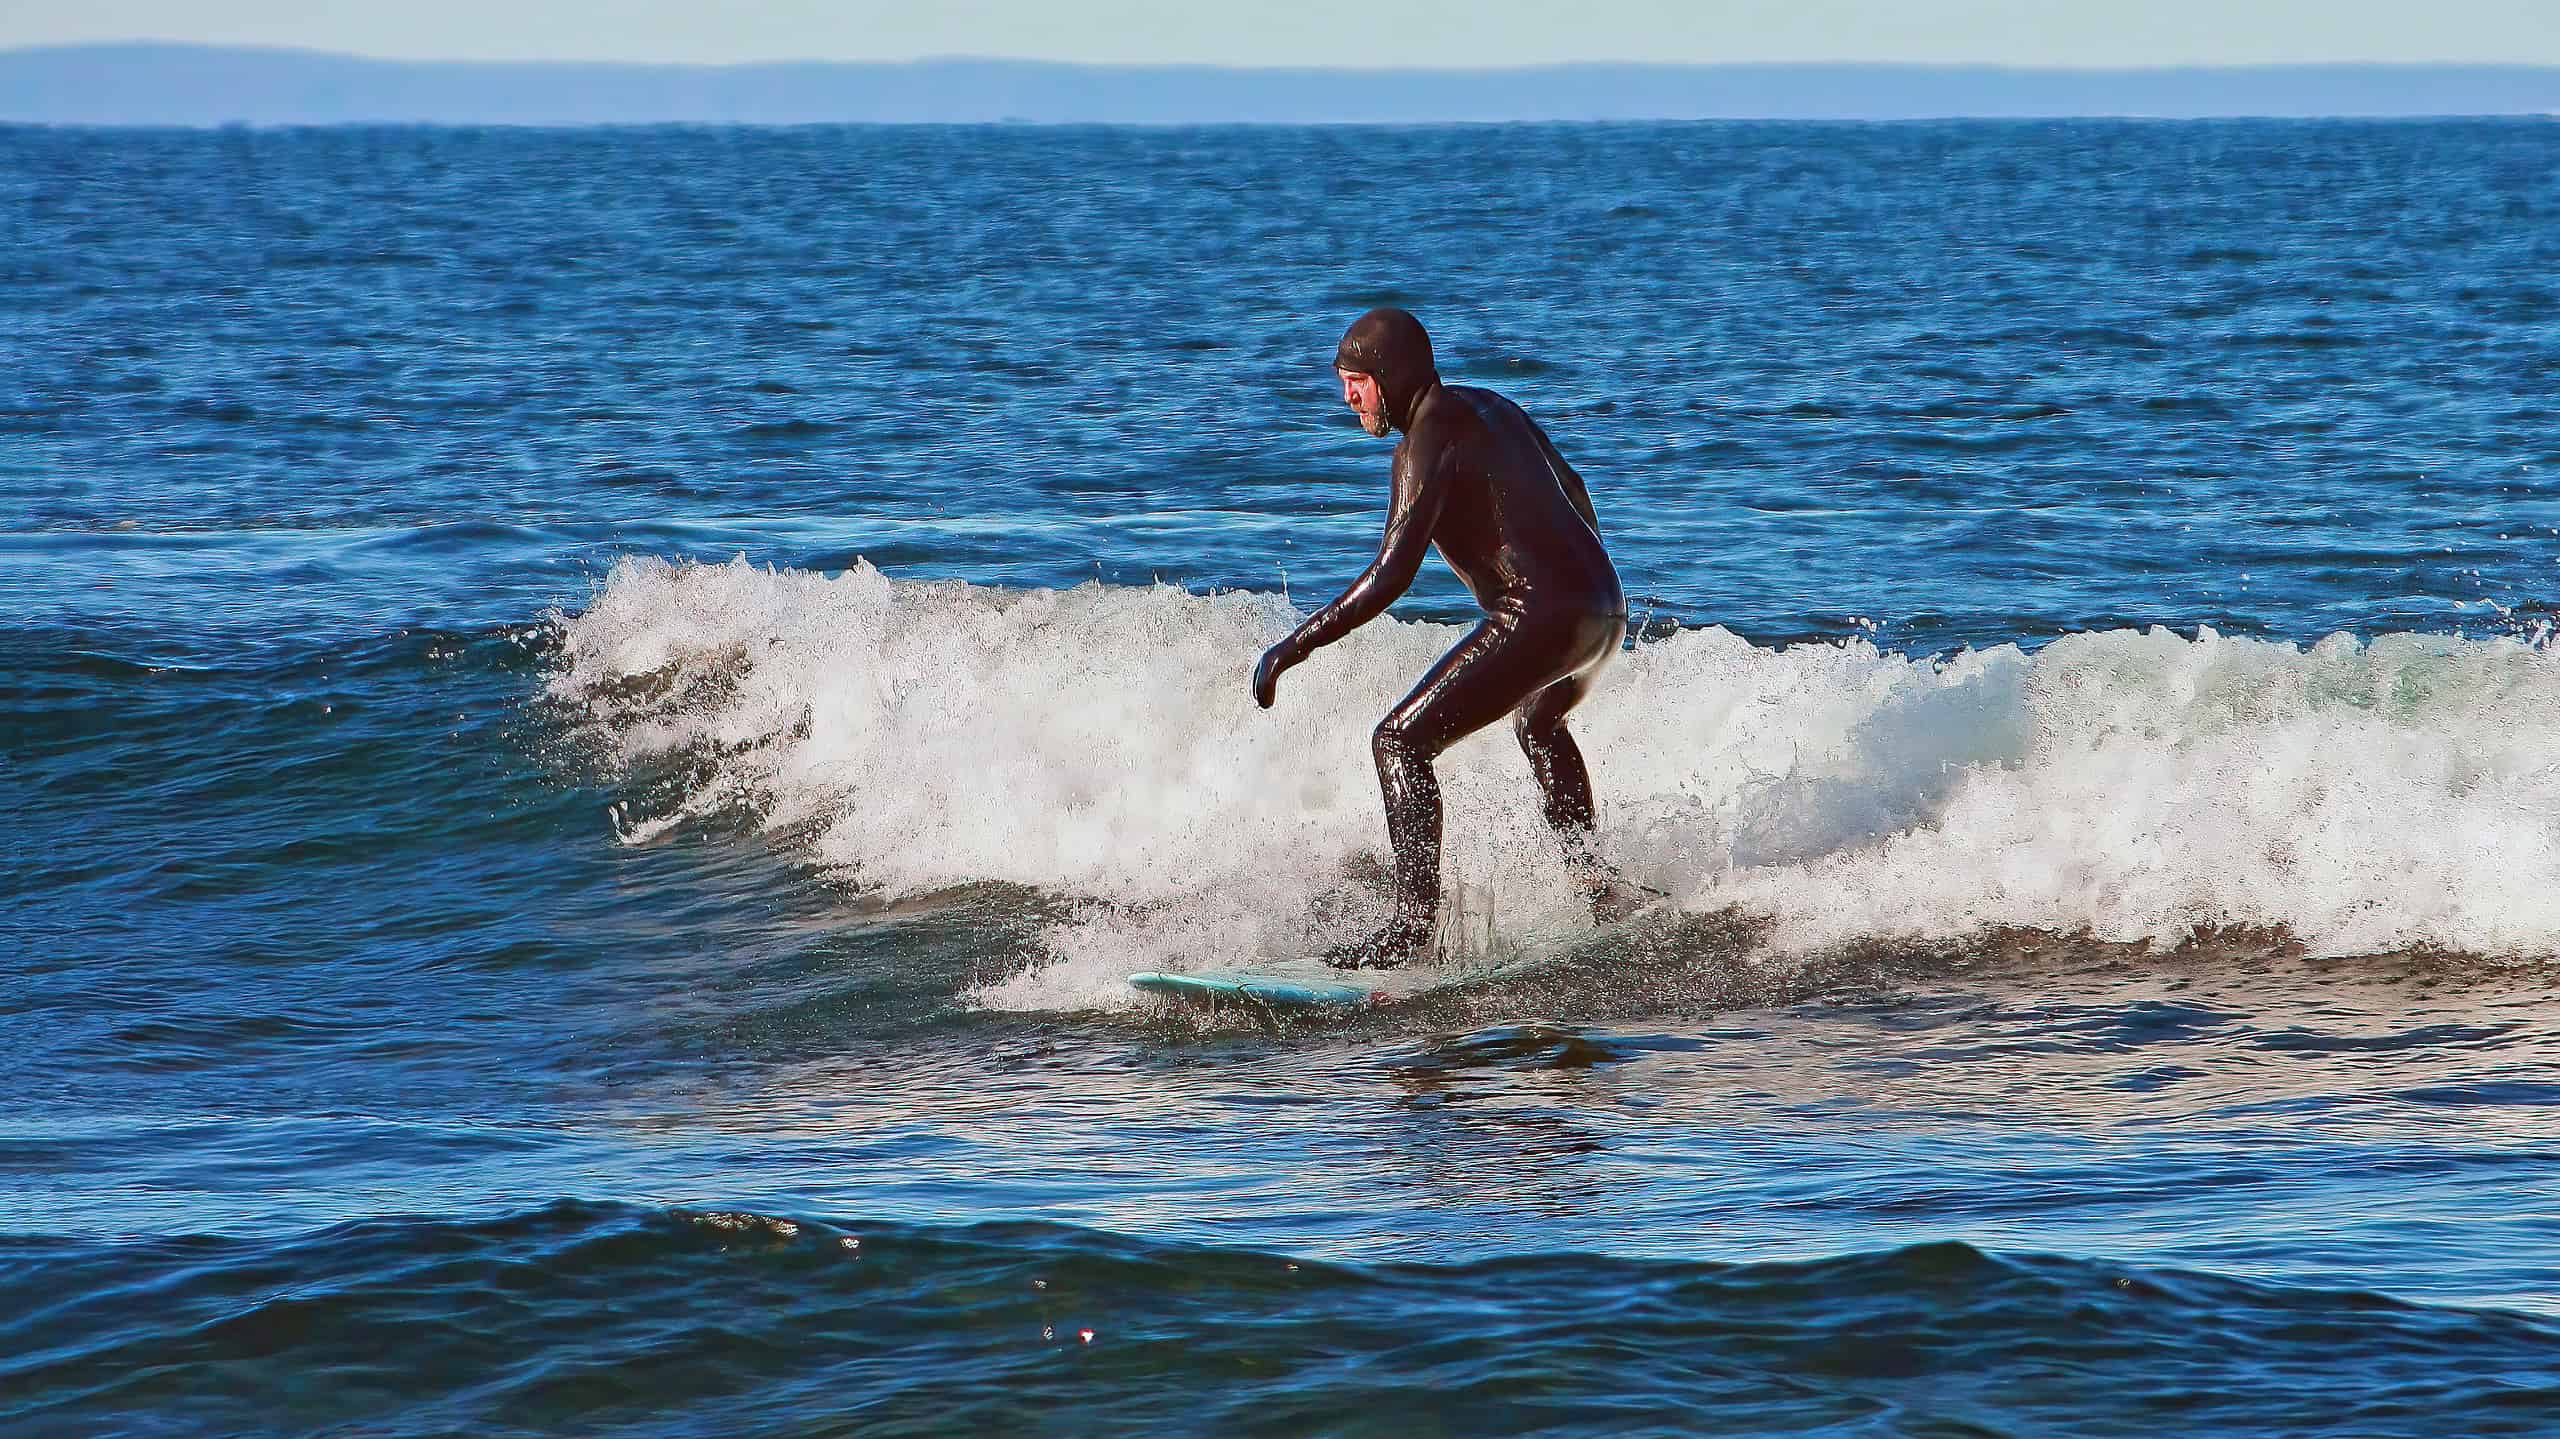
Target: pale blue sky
1338	32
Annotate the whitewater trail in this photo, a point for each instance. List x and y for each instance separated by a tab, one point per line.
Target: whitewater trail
1099	744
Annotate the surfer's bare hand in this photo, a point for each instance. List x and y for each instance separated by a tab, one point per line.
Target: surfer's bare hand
1266	675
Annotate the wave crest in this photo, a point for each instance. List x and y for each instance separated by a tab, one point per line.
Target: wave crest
1099	743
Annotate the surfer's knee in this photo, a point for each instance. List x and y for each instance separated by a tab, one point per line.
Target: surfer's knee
1390	743
1398	741
1540	724
1536	731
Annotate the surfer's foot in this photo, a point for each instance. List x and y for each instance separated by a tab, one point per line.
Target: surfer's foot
1614	899
1399	943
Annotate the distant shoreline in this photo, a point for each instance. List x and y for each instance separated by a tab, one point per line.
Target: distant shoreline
149	84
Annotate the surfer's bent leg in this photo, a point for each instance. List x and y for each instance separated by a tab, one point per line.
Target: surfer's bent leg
1564	780
1496	668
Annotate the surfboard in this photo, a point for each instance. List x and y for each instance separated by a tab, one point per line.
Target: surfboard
1358	988
1271	991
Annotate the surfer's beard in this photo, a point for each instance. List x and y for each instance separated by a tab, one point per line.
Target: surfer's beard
1374	421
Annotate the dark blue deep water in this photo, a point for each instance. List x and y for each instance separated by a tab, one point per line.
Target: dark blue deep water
590	722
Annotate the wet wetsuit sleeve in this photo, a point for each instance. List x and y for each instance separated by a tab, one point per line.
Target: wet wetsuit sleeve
1571	477
1412	514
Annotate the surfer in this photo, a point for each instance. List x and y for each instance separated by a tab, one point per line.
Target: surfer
1475	476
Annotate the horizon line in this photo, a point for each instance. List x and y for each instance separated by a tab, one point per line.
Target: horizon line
1528	67
161	83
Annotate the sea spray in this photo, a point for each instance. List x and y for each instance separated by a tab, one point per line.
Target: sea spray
1099	744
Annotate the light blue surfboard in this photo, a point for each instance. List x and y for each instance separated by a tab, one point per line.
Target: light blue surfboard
1340	989
1272	991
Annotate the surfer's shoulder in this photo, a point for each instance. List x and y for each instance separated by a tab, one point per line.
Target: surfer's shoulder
1449	415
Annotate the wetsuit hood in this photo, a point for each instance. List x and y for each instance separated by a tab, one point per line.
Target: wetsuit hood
1391	345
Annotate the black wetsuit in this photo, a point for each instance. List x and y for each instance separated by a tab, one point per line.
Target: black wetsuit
1475	476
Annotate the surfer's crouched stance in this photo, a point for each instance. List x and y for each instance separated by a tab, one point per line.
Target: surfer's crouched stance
1477	477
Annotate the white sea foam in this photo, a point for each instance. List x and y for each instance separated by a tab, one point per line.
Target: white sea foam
1099	743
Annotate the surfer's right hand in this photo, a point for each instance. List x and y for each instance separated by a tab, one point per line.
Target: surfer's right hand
1266	675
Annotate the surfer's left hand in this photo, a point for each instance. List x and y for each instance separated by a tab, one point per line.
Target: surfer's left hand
1266	675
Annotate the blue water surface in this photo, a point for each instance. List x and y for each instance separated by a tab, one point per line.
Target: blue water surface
404	1030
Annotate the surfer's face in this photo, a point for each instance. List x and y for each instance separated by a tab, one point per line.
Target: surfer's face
1362	394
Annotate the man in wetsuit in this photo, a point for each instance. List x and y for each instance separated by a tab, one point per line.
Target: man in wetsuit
1475	476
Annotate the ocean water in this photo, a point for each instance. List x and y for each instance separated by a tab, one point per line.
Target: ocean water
591	721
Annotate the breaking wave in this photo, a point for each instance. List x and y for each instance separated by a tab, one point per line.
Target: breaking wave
1099	745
